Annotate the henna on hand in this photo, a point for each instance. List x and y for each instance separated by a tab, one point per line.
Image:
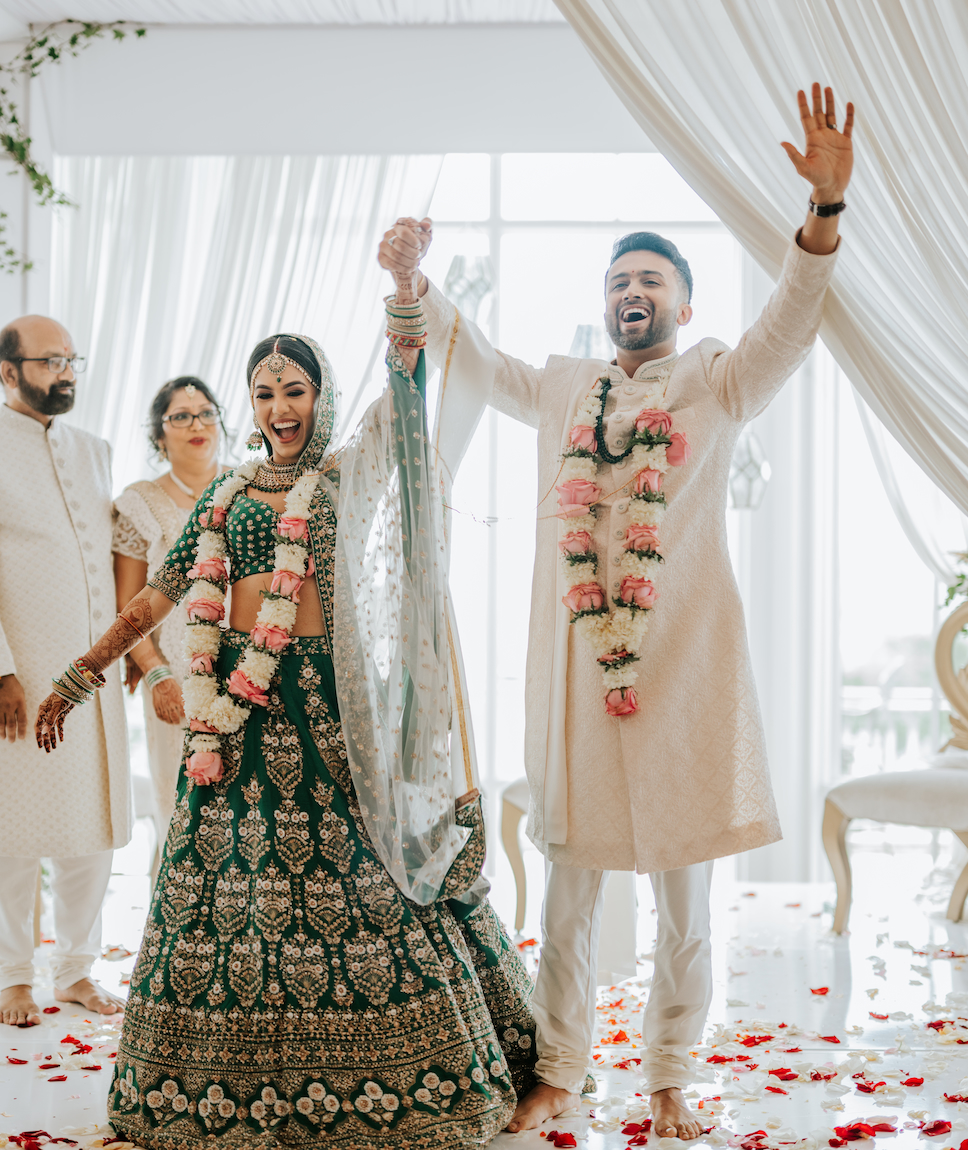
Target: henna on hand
130	628
50	721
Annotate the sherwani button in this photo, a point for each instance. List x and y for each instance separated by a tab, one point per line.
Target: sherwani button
623	506
619	533
82	526
622	463
93	568
95	591
68	482
95	614
629	389
619	417
87	545
61	463
75	505
616	584
616	559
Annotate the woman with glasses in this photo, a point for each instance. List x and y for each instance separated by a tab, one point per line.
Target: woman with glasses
184	426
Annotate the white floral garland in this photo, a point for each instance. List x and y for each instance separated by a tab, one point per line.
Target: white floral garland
615	632
212	711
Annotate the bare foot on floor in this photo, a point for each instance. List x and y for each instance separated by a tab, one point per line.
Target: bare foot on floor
540	1104
17	1006
671	1117
91	996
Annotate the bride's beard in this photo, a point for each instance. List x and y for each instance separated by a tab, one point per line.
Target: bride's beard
661	327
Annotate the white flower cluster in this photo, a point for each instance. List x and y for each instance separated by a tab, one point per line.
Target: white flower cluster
622	629
204	700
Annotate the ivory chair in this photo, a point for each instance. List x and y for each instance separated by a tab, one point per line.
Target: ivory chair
514	806
934	797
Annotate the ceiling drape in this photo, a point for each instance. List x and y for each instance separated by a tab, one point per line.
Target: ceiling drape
179	265
713	83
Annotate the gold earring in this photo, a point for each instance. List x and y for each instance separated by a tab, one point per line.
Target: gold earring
254	442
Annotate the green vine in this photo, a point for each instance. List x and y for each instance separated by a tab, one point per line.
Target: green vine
958	589
64	38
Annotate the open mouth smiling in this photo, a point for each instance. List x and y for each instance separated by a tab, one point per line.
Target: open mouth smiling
286	430
634	313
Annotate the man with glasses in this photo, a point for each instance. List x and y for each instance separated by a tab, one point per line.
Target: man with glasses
56	596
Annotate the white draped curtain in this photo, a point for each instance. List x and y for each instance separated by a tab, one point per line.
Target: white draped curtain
179	265
712	83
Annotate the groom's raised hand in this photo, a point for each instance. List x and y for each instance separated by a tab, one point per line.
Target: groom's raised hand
826	164
404	245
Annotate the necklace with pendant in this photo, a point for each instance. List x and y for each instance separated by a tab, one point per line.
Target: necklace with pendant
274	476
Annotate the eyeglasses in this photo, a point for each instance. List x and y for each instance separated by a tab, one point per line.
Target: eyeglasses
55	363
207	418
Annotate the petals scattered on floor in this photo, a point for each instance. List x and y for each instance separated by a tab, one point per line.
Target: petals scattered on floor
813	1040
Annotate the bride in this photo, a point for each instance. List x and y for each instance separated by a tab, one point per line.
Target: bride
320	959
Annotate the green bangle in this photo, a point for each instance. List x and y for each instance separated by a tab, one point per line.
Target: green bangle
158	675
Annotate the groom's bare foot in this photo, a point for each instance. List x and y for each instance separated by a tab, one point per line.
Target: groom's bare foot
671	1117
17	1006
92	996
540	1104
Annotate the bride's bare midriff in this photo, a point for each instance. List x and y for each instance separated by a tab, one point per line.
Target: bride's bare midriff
246	598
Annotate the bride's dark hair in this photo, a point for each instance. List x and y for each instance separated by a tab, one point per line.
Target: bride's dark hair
290	346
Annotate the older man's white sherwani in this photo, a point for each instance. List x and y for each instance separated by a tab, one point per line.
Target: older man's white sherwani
56	597
685	780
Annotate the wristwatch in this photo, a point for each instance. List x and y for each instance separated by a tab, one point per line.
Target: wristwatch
825	210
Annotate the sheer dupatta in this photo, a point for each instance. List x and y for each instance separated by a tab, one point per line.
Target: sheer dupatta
394	650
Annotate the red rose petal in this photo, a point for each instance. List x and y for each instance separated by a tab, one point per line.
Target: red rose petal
90	1067
829	1038
58	1078
913	1082
933	1129
785	1075
953	1097
820	990
16	1061
48	1066
51	1010
879	1017
777	1090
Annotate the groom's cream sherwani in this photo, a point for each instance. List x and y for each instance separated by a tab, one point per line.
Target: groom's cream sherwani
686	778
56	598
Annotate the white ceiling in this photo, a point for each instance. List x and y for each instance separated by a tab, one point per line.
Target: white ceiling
16	15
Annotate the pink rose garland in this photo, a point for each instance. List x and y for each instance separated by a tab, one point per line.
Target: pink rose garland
616	631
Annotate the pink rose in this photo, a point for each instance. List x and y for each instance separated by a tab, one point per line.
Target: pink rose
310	565
274	639
678	450
286	583
583	437
575	497
575	543
654	420
204	767
641	537
213	518
621	701
638	592
198	725
613	656
201	664
584	597
292	528
205	611
648	479
240	684
213	569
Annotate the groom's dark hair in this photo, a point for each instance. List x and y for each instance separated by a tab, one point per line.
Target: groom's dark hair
653	242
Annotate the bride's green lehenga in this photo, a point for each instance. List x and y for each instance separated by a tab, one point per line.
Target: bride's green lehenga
286	992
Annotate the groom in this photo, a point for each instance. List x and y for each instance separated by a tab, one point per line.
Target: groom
644	745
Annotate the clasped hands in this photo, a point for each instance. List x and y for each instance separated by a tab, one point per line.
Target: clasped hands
403	247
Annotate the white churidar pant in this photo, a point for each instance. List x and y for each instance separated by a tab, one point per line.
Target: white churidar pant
564	997
78	886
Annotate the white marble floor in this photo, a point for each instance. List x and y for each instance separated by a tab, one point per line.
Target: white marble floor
770	1035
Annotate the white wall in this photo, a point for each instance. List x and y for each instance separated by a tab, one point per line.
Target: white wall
345	90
